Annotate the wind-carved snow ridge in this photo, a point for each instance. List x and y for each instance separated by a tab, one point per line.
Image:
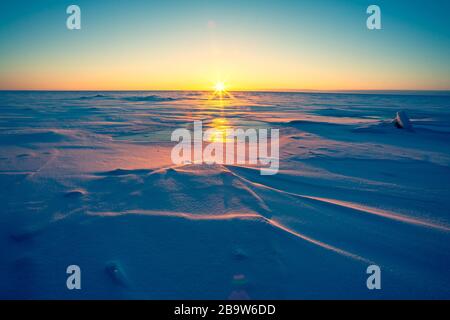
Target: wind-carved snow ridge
357	207
228	175
232	215
222	172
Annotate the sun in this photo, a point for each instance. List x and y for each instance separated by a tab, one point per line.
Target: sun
220	87
220	91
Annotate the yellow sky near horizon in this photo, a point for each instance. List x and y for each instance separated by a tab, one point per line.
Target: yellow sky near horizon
200	72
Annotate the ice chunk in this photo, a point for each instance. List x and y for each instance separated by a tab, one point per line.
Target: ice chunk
401	121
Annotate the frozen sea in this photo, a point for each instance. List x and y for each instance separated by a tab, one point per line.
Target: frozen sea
87	179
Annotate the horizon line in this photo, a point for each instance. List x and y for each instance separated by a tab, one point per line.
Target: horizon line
355	91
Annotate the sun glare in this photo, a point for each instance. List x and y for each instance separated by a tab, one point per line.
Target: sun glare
219	87
220	91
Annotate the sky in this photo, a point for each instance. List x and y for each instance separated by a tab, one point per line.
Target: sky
249	45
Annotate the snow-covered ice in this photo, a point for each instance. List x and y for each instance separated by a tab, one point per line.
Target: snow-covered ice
87	179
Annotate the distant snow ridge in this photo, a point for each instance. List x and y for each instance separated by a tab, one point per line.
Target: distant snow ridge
151	98
97	96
